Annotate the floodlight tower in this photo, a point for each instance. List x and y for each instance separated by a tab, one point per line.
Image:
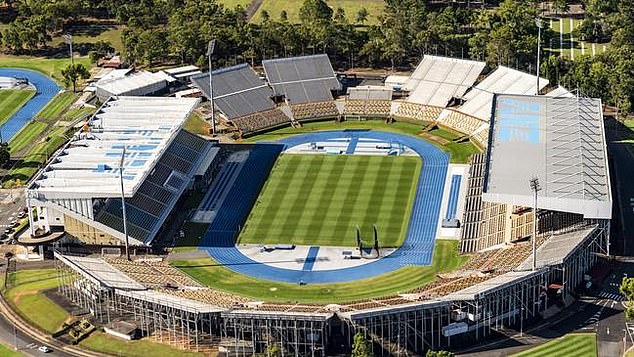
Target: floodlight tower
538	22
210	51
124	215
535	187
69	40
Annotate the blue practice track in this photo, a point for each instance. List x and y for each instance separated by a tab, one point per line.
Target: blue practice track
417	249
46	89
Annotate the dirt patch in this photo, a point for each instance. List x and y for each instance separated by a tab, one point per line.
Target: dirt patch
253	8
434	138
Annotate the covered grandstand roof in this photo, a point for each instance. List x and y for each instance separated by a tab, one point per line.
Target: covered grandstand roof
99	272
559	92
557	248
164	299
88	166
437	79
490	286
130	84
370	93
302	79
503	80
561	142
238	91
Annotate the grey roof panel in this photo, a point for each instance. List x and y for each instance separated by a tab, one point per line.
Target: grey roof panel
558	140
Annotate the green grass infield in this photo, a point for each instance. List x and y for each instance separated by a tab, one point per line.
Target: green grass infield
11	101
320	199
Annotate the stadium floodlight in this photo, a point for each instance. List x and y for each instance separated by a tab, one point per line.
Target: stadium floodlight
68	38
124	216
538	22
535	187
210	51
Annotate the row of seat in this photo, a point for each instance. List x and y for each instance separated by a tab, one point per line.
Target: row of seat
418	111
461	122
152	274
367	107
314	110
261	120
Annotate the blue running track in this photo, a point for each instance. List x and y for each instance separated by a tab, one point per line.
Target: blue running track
352	145
452	205
417	249
46	89
310	258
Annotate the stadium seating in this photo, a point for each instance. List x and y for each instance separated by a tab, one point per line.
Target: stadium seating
209	296
160	190
259	121
367	107
152	274
460	122
314	110
418	111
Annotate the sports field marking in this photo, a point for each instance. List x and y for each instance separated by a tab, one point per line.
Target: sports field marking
320	199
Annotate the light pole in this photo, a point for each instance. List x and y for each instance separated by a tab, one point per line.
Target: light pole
534	182
538	22
210	51
124	216
69	40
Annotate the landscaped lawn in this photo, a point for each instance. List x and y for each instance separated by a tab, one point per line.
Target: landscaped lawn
9	352
11	101
573	344
93	33
57	106
103	343
320	199
26	298
208	272
51	67
460	152
351	8
197	125
233	3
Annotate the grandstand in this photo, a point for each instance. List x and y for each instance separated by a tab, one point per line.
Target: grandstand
306	83
130	84
503	80
560	136
242	98
368	101
79	189
437	80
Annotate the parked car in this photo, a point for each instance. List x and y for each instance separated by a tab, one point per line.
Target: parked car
21	214
45	349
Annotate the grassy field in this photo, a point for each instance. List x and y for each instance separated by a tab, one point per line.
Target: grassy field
351	7
35	157
11	101
460	152
9	352
26	298
197	125
208	272
574	344
51	67
320	199
103	343
54	109
233	3
92	34
566	44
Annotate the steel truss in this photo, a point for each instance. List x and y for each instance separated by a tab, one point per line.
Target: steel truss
245	334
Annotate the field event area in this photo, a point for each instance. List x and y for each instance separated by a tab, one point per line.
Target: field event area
320	199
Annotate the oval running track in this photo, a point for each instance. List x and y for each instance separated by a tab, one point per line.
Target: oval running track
417	248
45	90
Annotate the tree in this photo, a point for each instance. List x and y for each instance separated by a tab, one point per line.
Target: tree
74	72
283	16
265	16
361	346
100	49
362	15
627	289
273	350
315	11
560	6
5	153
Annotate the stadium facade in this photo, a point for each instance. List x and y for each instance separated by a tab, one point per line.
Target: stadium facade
561	137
